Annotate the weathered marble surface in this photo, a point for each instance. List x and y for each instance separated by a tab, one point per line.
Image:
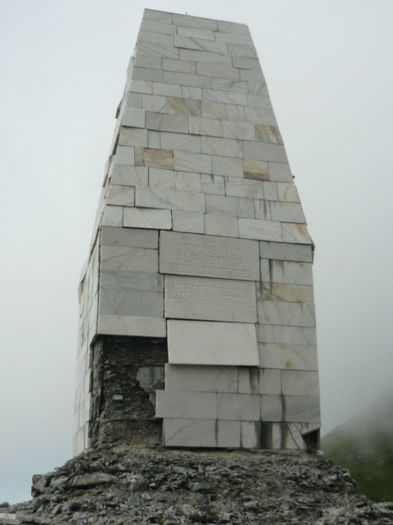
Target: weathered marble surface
209	299
212	343
200	233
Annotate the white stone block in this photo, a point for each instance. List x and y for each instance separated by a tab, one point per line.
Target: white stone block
260	116
186	79
186	221
141	303
120	195
134	118
279	172
271	408
270	190
244	188
195	21
124	155
209	299
223	84
262	151
238	407
222	147
221	205
225	97
154	140
128	280
250	434
158	27
179	66
191	405
221	225
153	197
287	192
214	185
246	63
170	180
291	272
155	37
287	292
200	44
291	335
163	122
210	343
234	112
286	252
180	378
238	130
259	229
213	110
245	208
131	325
229	167
296	233
167	90
287	314
228	434
154	103
191	92
160	17
125	237
265	271
112	216
300	383
208	256
193	32
128	175
302	409
242	50
147	218
205	126
290	357
132	137
194	162
181	142
202	56
217	70
189	432
128	259
259	381
286	212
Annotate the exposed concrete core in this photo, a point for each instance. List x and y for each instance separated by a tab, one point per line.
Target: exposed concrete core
126	371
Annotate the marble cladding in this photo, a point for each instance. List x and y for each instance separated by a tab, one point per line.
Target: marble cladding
200	235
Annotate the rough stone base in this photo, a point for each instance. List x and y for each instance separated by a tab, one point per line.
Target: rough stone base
128	485
125	373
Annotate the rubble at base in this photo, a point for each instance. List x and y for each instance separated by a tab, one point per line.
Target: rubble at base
128	485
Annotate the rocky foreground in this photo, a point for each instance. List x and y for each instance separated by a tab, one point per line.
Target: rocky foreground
128	485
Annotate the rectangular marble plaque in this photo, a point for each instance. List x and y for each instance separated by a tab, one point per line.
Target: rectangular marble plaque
208	256
210	343
210	299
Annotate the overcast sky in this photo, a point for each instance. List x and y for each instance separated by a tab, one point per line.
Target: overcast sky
328	66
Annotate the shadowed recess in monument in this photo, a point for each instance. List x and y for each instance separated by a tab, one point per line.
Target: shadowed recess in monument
197	321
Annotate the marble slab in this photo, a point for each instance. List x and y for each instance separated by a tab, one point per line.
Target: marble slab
200	378
302	409
238	407
300	383
210	299
209	256
131	325
193	405
127	237
286	252
128	258
287	356
147	218
296	335
212	343
189	432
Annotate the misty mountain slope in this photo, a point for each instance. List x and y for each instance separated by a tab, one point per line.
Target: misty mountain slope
364	446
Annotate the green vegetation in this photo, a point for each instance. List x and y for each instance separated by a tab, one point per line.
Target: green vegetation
365	447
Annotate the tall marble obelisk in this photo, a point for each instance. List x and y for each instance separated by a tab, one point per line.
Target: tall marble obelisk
197	322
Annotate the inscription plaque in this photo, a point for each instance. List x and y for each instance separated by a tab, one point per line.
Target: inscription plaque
208	256
210	299
209	343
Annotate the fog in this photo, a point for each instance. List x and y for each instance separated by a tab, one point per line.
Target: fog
328	66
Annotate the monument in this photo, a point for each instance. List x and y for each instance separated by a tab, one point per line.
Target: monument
197	323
